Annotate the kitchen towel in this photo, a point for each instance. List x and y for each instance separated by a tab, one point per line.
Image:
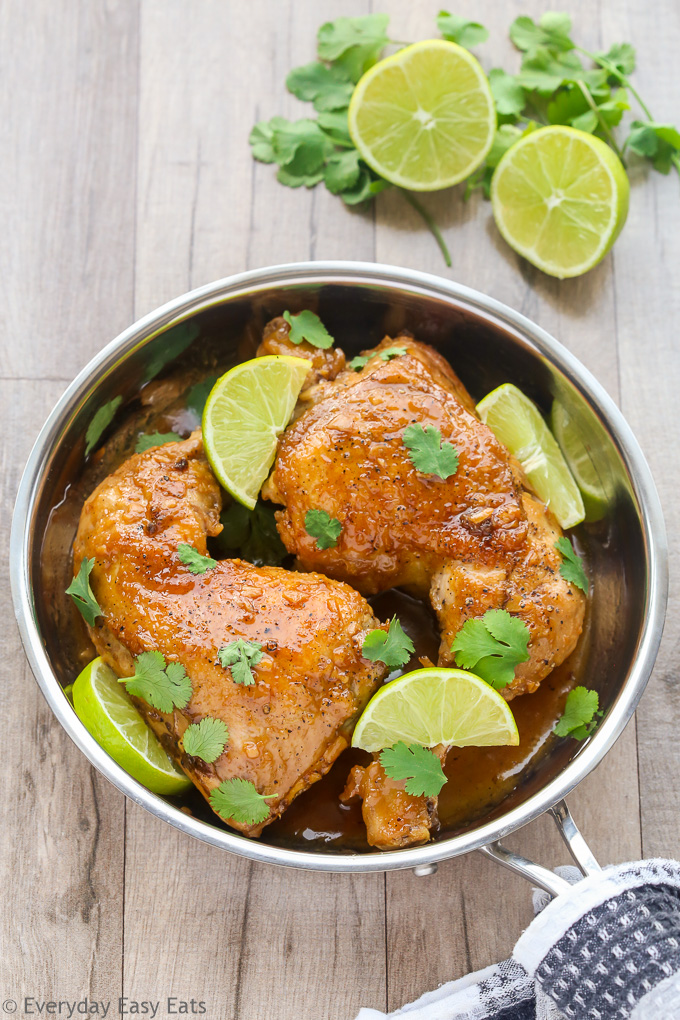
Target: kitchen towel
608	949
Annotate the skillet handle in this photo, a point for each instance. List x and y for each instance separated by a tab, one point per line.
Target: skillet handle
536	873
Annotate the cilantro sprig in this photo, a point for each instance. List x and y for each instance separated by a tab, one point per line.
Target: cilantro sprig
163	685
151	439
101	420
429	453
572	568
307	325
581	712
419	766
324	528
206	740
237	800
492	647
386	355
193	560
80	591
239	656
393	647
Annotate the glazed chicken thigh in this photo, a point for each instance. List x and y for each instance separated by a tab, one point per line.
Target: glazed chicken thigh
288	726
477	540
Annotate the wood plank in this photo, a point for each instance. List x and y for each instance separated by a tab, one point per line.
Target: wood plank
471	913
62	863
205	209
647	311
67	111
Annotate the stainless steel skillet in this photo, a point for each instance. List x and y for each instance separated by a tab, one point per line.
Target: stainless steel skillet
487	343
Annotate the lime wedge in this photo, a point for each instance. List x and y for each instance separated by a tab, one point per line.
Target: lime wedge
560	199
107	713
247	410
424	118
578	456
436	706
518	424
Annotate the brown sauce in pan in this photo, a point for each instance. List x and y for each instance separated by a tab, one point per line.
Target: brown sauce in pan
479	778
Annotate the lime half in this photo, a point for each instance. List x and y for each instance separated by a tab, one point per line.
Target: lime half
424	118
518	424
107	713
578	455
560	199
247	410
436	706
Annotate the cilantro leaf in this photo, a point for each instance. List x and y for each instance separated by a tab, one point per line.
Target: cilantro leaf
356	364
363	359
572	569
238	800
251	534
329	88
393	647
419	766
324	528
239	656
198	394
551	32
206	740
459	30
579	716
622	56
342	171
80	591
151	439
101	421
429	453
193	559
334	123
659	142
391	352
508	94
162	685
354	44
308	326
491	647
261	141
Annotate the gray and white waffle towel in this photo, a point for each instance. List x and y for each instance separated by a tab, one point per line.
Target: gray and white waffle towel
609	949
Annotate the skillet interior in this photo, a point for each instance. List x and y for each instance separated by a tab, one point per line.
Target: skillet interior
486	350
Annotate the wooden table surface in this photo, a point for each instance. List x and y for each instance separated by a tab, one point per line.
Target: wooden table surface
127	180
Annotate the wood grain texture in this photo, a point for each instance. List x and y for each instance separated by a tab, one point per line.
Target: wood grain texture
128	180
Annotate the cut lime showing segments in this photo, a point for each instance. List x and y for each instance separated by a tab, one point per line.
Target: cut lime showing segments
518	424
436	706
579	457
424	118
247	410
560	199
107	713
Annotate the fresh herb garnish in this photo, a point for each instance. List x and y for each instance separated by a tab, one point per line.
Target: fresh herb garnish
251	534
419	766
579	718
553	86
193	560
151	439
363	359
101	421
238	800
393	647
308	326
428	452
239	656
572	569
198	394
162	685
491	647
324	528
80	591
206	740
356	364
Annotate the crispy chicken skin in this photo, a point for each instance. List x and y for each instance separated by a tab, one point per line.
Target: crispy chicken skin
289	726
475	541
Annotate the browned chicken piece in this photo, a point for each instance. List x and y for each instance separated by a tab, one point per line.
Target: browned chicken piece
288	727
475	541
